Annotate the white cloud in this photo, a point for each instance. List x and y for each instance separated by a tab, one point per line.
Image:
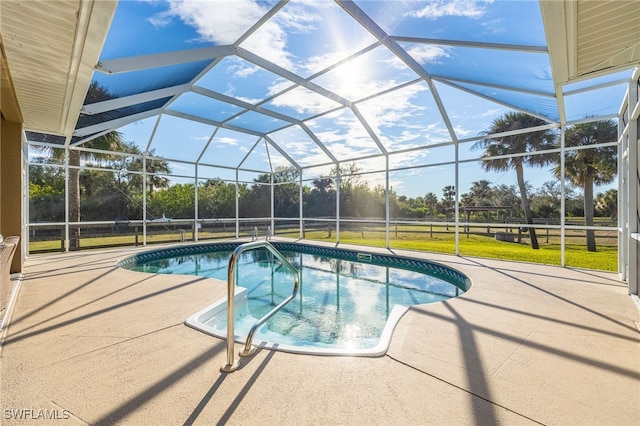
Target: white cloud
317	63
248	100
461	131
427	54
395	106
161	19
393	116
304	153
279	85
242	70
495	26
226	141
230	89
270	40
442	8
298	16
298	148
491	112
303	101
409	159
221	22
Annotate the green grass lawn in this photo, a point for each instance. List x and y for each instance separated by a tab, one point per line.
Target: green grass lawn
576	254
419	238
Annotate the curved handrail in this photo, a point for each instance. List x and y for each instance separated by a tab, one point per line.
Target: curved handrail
231	364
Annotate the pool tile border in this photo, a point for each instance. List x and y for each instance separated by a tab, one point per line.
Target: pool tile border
402	262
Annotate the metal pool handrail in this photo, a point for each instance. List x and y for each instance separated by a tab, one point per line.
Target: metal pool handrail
231	364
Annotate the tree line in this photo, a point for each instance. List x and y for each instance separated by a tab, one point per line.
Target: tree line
109	195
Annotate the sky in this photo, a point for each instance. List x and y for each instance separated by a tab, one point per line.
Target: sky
360	98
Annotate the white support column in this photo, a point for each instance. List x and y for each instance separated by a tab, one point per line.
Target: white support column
25	198
563	204
144	199
457	199
66	199
634	184
237	204
338	202
301	205
273	205
387	203
623	194
195	213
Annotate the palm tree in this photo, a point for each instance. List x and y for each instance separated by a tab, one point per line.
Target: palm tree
592	166
607	203
431	203
323	186
108	142
448	193
528	144
481	193
155	168
112	141
448	196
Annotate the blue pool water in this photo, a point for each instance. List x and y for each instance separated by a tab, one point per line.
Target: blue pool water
345	303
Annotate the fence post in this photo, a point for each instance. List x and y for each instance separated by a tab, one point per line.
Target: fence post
547	233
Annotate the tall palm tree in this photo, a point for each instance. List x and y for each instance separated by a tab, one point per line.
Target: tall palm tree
155	168
431	203
592	166
448	196
481	193
324	185
112	141
108	142
528	144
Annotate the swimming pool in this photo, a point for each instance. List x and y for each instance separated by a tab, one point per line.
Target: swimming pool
348	302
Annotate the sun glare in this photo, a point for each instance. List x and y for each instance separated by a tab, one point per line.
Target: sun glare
349	80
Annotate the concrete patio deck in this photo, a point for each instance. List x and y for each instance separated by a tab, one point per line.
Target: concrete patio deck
90	343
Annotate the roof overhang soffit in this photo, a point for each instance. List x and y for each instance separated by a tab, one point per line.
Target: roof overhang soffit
8	99
587	39
50	97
